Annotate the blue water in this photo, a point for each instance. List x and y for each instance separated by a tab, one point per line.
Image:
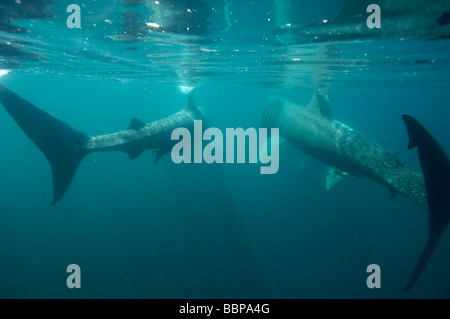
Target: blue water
140	230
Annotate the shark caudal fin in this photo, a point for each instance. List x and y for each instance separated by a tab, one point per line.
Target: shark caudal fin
436	170
422	262
415	134
62	145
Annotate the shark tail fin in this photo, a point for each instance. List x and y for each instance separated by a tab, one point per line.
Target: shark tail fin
63	146
414	130
422	262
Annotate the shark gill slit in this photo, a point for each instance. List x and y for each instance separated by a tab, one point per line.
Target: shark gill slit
271	113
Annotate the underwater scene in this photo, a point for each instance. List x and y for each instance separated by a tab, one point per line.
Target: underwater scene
267	149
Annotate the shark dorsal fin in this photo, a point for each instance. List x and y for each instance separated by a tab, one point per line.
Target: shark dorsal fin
136	124
323	103
191	103
313	105
192	107
319	104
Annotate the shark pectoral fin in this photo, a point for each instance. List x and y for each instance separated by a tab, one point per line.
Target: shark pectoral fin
136	124
132	154
159	153
334	175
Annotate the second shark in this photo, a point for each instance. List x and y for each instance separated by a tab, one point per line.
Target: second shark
345	151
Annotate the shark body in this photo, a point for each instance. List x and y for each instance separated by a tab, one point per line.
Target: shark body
65	147
344	150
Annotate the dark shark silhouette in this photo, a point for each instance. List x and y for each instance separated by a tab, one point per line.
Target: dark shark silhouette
65	147
436	170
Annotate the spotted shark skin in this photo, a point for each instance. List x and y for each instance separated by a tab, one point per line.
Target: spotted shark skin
345	150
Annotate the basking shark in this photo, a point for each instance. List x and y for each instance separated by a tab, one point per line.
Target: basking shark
344	150
436	169
65	147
